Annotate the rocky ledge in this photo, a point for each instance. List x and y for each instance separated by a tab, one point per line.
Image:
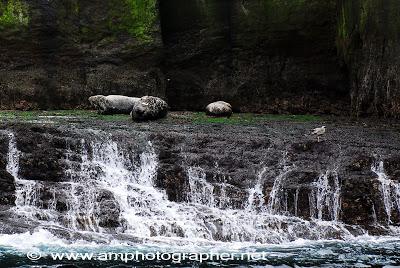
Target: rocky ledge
351	176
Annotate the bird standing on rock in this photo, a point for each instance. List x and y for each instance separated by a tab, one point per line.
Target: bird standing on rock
319	131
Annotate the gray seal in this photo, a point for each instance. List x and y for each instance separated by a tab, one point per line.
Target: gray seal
149	108
219	109
113	104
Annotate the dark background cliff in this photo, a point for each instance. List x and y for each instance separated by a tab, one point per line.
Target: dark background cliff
276	56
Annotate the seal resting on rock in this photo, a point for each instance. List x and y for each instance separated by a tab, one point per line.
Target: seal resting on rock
149	108
113	104
219	108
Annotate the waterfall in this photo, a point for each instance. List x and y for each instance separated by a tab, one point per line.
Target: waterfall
325	196
390	190
13	156
296	201
26	192
105	169
277	201
205	193
256	195
201	191
109	189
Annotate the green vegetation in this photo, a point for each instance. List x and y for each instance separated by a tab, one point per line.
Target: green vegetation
182	117
59	114
13	14
367	19
248	118
135	17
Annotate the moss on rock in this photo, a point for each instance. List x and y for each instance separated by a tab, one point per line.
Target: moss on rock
13	14
135	17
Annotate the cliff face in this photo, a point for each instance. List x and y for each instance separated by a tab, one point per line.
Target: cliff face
64	51
263	56
266	56
368	40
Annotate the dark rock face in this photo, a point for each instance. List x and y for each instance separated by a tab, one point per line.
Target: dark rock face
70	50
368	40
7	186
258	59
41	155
261	56
7	196
109	214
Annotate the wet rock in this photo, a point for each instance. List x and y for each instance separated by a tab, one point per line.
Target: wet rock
370	55
108	210
109	214
10	224
361	163
74	55
254	70
230	165
260	56
7	188
175	183
392	167
361	202
43	154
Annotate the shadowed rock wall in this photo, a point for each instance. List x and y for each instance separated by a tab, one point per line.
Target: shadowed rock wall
281	56
368	40
262	56
65	51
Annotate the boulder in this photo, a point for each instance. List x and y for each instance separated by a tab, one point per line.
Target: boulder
219	108
113	104
149	108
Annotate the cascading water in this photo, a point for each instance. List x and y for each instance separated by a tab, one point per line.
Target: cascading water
110	192
390	189
326	196
144	211
205	193
13	156
201	191
277	198
26	192
256	196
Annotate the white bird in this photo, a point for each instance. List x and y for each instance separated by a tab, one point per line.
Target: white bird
319	131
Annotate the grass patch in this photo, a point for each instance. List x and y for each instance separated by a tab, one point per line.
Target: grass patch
248	118
173	117
62	114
